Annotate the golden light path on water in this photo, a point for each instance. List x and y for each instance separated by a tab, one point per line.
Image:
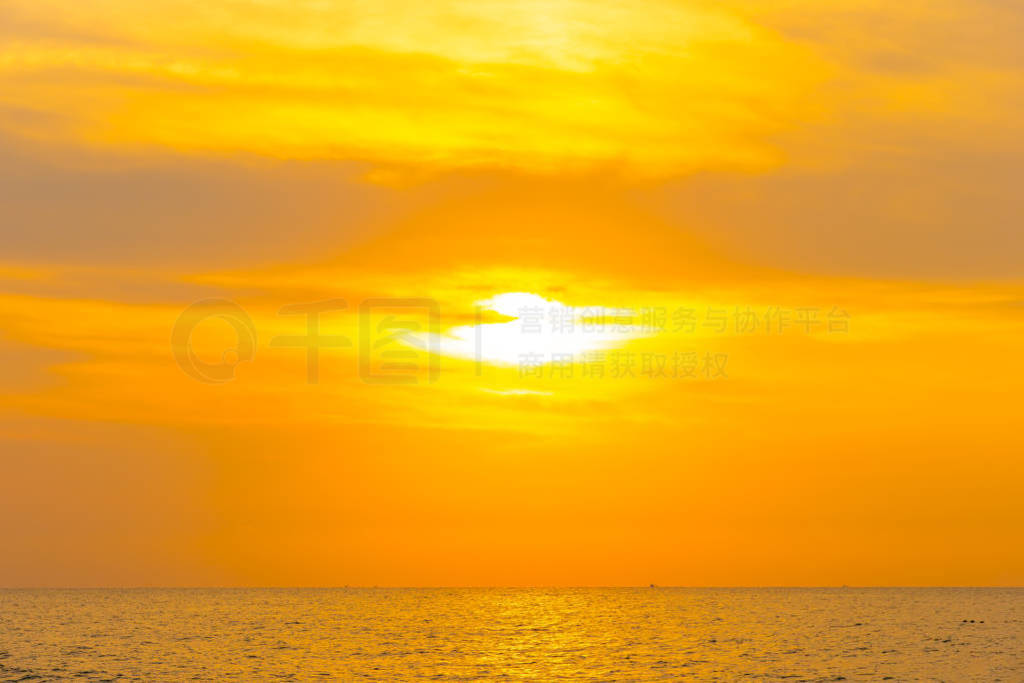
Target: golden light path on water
578	634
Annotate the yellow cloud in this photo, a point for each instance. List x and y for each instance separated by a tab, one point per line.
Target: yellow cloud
538	86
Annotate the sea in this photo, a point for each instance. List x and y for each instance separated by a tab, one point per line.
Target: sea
513	634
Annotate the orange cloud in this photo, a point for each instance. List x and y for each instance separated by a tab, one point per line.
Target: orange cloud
540	86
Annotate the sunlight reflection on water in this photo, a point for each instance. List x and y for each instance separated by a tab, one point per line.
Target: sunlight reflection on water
644	634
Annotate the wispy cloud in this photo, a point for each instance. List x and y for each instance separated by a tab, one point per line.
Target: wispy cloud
540	86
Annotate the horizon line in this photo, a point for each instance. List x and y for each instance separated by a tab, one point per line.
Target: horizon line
518	587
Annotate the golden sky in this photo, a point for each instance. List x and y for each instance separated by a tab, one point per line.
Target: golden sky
700	293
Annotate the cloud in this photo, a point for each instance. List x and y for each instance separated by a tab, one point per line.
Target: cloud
538	86
70	206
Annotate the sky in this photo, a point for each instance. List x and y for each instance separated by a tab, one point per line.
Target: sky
607	293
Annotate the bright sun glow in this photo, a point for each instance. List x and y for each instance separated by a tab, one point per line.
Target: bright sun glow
541	331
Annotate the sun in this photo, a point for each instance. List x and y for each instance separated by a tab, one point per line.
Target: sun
540	331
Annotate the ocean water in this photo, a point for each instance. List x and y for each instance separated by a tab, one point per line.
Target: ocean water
586	634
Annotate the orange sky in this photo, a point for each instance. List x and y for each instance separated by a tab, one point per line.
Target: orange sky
780	242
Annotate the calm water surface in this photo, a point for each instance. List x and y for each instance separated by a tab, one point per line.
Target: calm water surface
615	634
